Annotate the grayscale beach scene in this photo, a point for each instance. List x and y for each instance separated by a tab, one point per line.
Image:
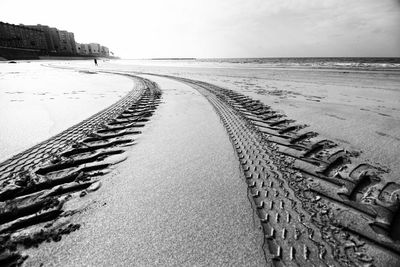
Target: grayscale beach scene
200	133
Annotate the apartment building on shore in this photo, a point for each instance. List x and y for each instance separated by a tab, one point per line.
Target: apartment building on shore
20	36
33	41
92	49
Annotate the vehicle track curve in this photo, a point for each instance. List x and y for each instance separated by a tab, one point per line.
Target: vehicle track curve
319	204
35	184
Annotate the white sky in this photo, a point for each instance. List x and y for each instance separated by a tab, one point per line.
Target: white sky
222	28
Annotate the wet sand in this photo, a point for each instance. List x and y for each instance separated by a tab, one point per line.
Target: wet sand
179	198
38	102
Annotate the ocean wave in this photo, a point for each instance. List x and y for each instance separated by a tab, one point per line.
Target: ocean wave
339	63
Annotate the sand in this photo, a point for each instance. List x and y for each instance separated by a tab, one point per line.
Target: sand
358	109
37	102
178	200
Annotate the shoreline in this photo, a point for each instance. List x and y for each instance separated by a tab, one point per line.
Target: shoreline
236	65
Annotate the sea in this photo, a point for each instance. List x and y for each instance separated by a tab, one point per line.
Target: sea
352	63
368	63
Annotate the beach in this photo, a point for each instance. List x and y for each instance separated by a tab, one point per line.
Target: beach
206	163
37	102
176	200
358	108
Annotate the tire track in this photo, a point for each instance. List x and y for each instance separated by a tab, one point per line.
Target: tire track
27	158
38	182
319	204
290	238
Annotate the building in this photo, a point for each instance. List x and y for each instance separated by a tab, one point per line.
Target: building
72	42
94	49
48	37
82	49
58	42
67	43
104	52
19	36
78	48
55	37
52	38
32	41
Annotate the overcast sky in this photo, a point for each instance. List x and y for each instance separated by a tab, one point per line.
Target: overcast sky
222	28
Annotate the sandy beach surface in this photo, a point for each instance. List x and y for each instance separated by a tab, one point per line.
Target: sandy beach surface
37	102
359	109
194	190
356	108
178	200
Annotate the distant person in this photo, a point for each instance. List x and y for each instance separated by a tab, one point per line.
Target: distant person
95	62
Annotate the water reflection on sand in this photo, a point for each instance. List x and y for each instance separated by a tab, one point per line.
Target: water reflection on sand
37	102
